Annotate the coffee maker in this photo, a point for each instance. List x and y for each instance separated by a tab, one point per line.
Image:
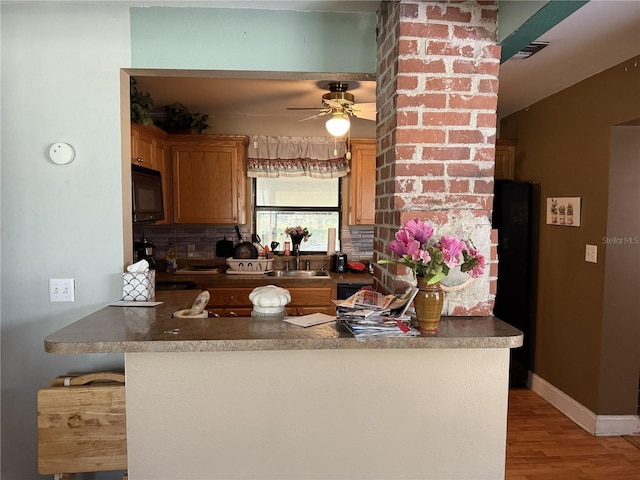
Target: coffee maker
145	251
339	262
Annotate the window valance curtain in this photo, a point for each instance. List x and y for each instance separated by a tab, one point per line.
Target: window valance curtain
316	157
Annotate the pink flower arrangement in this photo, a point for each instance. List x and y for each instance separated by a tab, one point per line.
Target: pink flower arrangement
431	258
299	231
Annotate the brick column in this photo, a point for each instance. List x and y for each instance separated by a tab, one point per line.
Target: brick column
437	83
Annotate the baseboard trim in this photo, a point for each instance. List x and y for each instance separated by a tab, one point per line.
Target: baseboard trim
608	425
598	425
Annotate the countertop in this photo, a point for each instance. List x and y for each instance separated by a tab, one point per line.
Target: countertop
223	279
114	329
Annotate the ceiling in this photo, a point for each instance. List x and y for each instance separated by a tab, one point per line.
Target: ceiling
601	34
251	100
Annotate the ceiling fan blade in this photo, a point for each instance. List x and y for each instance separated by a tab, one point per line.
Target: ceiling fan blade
366	111
365	107
365	115
338	101
314	116
332	103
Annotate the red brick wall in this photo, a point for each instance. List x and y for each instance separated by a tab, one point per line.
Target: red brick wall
437	83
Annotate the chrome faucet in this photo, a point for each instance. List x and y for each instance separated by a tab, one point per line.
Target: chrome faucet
297	252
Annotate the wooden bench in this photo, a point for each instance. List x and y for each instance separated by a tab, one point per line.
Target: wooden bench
82	425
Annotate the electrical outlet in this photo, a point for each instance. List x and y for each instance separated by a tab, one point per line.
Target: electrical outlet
191	251
591	254
62	290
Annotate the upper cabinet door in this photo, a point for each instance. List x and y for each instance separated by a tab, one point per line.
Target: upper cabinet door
505	160
209	182
148	150
363	182
143	148
163	165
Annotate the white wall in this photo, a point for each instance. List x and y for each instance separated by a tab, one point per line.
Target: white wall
514	14
318	414
257	40
60	82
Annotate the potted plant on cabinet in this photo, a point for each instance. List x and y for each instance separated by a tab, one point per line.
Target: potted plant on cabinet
141	104
178	119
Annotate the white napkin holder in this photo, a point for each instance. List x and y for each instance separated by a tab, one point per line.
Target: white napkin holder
139	283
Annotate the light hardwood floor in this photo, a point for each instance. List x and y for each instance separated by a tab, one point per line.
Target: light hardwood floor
543	444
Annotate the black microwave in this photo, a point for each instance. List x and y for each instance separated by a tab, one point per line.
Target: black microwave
146	191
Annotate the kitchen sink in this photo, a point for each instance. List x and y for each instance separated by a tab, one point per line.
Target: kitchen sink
299	274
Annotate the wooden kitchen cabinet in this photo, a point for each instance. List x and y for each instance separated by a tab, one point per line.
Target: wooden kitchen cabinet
163	165
209	179
306	300
234	301
362	183
505	160
230	302
148	149
144	141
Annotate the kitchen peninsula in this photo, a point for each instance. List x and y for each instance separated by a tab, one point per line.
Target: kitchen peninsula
221	398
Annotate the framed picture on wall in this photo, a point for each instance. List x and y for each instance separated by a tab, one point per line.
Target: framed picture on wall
563	211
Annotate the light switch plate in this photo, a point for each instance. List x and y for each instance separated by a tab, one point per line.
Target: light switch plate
62	290
591	254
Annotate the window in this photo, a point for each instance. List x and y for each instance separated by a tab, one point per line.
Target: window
288	202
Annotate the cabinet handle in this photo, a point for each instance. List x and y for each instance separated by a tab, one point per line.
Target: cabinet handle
140	160
233	314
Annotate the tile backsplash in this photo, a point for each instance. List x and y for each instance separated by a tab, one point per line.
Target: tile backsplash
199	242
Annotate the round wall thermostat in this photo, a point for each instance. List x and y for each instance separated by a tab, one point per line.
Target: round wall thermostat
61	153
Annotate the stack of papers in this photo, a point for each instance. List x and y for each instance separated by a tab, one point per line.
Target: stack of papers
368	315
379	327
310	320
371	299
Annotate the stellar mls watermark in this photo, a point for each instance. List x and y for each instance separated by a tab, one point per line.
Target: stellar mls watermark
621	240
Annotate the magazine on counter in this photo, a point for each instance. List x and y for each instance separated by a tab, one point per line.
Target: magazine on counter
378	326
366	302
368	315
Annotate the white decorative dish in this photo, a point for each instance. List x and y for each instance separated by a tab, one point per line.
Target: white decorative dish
250	265
231	271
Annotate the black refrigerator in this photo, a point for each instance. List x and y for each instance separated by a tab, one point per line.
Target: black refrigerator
512	217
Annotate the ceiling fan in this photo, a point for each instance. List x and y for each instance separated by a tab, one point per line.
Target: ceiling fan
341	105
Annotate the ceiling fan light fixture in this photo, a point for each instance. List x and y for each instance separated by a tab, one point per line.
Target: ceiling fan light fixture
338	124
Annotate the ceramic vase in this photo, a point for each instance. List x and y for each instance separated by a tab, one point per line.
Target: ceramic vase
295	242
428	305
